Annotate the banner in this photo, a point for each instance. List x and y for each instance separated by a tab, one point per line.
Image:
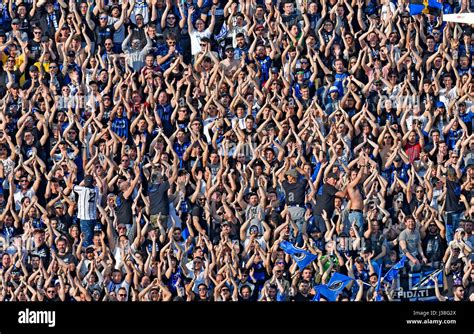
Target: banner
459	18
410	289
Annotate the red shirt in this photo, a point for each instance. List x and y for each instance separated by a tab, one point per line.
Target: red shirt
413	151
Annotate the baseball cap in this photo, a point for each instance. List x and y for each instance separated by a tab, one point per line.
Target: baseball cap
333	89
58	204
259	26
33	68
292	172
274	70
470	163
359	259
71	53
229	47
315	229
15	21
440	104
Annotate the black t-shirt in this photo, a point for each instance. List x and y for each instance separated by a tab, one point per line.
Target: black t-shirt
295	192
159	201
104	33
198	211
433	247
453	278
44	253
35	49
124	209
453	196
414	204
300	298
68	258
325	200
64	223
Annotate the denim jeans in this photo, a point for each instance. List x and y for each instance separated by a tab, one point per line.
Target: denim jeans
452	223
87	227
357	218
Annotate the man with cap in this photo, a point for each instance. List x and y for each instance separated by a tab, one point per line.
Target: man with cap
16	31
301	82
295	192
34	78
230	64
87	200
325	201
63	217
70	63
333	99
158	186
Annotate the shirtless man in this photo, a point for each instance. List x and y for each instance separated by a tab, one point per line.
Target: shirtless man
230	64
356	202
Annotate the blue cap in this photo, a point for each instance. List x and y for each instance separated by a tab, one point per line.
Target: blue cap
333	89
440	104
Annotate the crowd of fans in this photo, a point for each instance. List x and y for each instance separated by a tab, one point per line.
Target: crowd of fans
162	150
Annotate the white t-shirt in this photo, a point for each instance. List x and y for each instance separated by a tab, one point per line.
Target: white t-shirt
87	202
196	37
18	196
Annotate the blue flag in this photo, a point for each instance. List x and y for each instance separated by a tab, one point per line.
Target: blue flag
432	7
377	287
392	273
424	279
317	296
336	284
301	256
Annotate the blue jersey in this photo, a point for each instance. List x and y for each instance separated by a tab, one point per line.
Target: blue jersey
120	126
339	78
452	137
402	173
164	112
265	65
